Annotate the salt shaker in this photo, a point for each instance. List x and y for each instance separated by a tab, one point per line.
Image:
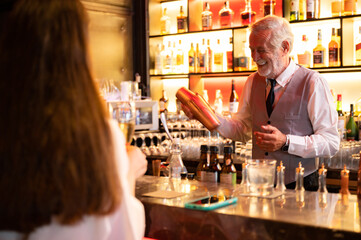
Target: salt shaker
299	177
322	179
280	186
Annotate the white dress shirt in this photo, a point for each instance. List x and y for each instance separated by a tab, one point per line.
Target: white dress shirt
325	140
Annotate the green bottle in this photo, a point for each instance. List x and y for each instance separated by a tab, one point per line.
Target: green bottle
351	127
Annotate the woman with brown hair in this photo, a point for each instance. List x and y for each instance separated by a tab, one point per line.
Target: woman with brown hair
64	168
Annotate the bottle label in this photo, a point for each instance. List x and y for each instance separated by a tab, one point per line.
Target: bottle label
179	59
202	61
225	19
206	21
333	54
218	58
311	6
318	57
228	178
294	5
242	62
211	177
181	23
191	61
233	107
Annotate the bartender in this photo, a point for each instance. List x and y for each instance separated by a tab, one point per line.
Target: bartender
285	108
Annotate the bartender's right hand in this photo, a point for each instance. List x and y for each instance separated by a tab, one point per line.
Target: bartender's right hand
187	111
137	161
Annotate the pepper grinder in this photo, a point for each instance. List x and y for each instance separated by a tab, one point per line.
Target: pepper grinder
280	186
322	179
299	177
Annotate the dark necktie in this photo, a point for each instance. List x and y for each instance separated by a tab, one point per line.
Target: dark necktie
271	97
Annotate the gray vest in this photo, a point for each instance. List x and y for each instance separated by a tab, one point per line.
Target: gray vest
290	116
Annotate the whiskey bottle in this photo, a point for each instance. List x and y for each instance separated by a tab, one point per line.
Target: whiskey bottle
165	23
319	52
269	7
336	8
207	16
226	16
233	100
191	59
242	62
248	16
163	102
167	57
351	127
349	7
304	56
214	168
203	163
181	21
218	57
313	9
180	58
228	174
358	47
294	10
229	55
333	50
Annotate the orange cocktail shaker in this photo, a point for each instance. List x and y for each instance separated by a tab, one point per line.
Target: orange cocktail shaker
200	109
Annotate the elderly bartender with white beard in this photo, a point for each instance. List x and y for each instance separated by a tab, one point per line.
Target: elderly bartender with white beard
285	108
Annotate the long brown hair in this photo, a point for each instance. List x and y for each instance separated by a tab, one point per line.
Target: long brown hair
56	153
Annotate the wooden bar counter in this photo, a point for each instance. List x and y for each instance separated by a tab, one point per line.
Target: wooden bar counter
290	216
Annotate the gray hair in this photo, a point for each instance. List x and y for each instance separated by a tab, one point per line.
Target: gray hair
281	30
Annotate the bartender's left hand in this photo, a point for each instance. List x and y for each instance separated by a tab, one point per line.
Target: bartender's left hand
270	139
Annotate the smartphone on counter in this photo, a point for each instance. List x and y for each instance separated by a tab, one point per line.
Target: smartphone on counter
210	202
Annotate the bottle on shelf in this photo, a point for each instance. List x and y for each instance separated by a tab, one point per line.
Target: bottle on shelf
226	16
176	166
229	55
214	168
269	7
191	59
197	62
303	10
358	47
248	16
218	57
203	163
218	103
158	59
181	21
294	10
228	174
349	7
163	102
319	52
174	59
313	9
180	58
334	50
336	8
207	16
351	127
209	57
304	57
167	58
233	100
203	57
165	23
242	62
341	116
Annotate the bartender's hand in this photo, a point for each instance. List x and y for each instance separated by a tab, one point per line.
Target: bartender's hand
187	111
137	161
270	139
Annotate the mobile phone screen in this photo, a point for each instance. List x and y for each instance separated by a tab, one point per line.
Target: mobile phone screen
210	200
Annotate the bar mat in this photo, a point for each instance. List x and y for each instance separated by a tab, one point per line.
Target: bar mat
273	195
164	194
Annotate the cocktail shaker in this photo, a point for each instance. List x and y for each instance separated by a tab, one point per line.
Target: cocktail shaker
200	109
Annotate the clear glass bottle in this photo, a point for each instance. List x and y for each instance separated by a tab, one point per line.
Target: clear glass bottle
304	56
269	7
319	52
334	50
226	16
358	47
218	103
280	186
294	10
218	57
176	166
248	16
167	58
228	174
233	100
181	21
207	16
165	23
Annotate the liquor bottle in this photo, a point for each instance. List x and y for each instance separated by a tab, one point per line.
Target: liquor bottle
180	58
294	10
304	57
336	8
319	52
167	57
349	7
203	58
191	59
210	57
358	191
163	102
203	163
218	57
226	16
351	127
197	56
233	100
358	47
207	16
333	50
280	186
269	7
303	10
313	9
228	173
229	55
176	166
158	59
341	116
218	103
181	21
214	168
344	181
242	62
248	16
165	23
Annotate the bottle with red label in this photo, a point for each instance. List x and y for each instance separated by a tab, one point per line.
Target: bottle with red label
226	16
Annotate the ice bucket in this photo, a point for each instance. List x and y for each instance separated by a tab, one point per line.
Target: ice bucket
261	176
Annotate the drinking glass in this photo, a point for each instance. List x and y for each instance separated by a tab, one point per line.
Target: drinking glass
260	176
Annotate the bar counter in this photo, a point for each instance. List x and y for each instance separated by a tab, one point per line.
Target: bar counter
290	216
